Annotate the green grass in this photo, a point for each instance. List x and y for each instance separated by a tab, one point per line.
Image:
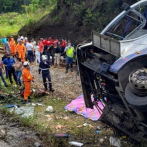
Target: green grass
11	23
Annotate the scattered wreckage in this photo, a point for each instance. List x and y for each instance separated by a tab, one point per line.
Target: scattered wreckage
113	68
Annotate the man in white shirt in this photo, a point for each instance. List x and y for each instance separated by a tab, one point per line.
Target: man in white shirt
29	48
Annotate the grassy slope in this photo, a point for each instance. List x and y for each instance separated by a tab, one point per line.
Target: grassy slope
73	125
74	19
11	23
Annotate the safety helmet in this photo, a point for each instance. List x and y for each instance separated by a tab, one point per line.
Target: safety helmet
44	57
25	63
21	37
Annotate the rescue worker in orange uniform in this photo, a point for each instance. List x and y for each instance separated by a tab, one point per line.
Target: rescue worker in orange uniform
21	49
27	78
13	46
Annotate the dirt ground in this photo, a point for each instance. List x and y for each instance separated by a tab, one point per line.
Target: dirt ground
12	134
67	85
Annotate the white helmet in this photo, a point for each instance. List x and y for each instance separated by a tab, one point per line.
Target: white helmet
21	37
44	57
26	39
25	63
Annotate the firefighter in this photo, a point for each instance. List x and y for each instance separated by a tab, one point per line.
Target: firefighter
44	68
21	49
27	79
13	47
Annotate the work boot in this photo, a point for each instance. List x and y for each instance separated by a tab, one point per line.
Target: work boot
24	101
52	90
29	99
66	68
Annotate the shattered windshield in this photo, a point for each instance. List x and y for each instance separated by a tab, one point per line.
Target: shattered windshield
128	24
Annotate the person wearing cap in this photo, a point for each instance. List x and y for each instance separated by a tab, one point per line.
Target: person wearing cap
13	46
21	49
69	56
27	79
9	62
44	68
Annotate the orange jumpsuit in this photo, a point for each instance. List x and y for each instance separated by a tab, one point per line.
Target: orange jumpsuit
21	49
27	77
13	47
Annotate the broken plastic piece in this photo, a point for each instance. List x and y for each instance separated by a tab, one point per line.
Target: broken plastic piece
49	109
76	143
64	135
115	141
11	106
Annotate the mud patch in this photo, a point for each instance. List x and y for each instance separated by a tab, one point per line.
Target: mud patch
13	134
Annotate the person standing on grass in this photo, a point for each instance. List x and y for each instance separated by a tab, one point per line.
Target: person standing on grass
1	74
27	79
69	56
37	54
18	70
9	62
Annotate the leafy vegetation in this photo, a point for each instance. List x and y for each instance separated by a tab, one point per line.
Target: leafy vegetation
12	22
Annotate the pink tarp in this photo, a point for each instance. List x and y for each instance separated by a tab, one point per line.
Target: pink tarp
78	106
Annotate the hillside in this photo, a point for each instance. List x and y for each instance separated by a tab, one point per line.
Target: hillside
15	14
74	19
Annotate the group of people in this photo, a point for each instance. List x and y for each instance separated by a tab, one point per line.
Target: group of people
30	50
19	56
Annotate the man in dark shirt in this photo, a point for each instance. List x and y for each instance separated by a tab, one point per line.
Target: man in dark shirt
50	53
44	68
57	51
11	71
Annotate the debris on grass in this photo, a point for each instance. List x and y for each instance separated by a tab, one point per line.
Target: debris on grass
114	141
37	104
85	124
76	143
24	111
49	109
58	127
66	118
